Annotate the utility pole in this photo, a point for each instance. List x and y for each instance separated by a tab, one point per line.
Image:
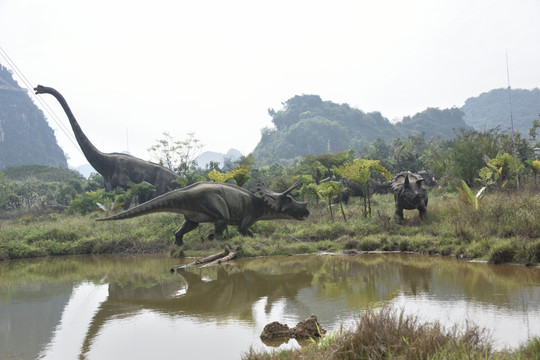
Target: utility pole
512	120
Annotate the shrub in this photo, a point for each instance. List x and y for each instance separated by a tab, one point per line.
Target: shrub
87	203
369	244
527	252
388	334
56	234
502	252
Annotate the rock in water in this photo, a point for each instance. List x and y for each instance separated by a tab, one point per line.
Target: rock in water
309	328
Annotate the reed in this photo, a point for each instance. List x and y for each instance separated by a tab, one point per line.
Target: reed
390	334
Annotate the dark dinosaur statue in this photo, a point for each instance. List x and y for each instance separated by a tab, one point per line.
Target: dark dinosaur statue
429	178
221	204
350	188
118	170
409	194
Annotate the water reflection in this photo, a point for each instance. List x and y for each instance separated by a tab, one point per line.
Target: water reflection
133	307
80	309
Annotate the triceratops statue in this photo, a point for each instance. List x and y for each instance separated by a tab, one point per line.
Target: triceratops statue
409	194
221	204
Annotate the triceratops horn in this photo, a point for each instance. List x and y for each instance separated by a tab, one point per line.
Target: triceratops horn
293	186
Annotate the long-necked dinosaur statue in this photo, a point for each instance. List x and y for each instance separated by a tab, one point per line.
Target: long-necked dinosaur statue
221	204
118	170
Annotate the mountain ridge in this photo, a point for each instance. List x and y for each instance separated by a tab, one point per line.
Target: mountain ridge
307	125
25	136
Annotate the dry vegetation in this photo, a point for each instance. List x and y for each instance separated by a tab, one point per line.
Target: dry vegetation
389	334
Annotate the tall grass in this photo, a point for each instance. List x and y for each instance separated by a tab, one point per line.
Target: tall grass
63	234
504	228
389	334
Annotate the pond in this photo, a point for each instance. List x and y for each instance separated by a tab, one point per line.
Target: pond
109	307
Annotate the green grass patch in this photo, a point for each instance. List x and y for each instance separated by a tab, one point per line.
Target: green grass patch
505	228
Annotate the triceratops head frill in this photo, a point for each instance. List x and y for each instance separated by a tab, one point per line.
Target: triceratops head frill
283	202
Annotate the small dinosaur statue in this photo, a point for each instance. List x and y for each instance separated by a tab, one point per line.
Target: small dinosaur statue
221	204
118	170
409	194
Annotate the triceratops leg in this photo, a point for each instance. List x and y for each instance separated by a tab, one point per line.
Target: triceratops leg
244	227
246	232
219	228
186	227
398	215
422	210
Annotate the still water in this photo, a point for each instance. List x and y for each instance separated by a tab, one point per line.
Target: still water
110	307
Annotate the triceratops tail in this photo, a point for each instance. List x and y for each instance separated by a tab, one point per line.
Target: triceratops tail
162	203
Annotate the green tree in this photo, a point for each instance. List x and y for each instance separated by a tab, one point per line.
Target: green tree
177	155
534	165
7	191
241	173
328	191
505	167
533	133
189	177
379	150
407	154
88	202
212	165
469	150
95	182
321	166
360	171
308	189
523	149
142	191
240	176
218	176
268	173
437	157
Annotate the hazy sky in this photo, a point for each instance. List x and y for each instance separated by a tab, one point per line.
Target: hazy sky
131	70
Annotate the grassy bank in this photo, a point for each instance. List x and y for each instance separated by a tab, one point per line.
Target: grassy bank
505	228
388	334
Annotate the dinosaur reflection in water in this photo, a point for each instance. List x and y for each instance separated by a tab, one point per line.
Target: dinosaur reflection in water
143	302
232	293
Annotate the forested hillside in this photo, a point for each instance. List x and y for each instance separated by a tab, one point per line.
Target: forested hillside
308	125
25	136
492	109
433	123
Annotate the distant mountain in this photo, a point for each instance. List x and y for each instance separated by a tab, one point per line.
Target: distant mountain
25	136
492	109
207	156
433	123
41	173
308	125
86	170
